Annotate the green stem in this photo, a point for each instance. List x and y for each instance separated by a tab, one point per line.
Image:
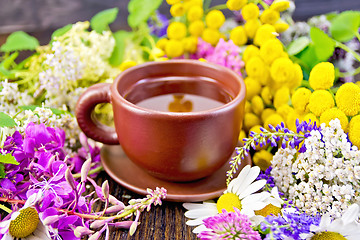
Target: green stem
206	5
346	48
217	7
347	74
357	34
92	171
6	209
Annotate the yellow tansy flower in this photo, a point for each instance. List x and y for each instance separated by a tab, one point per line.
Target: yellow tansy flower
127	64
253	87
242	135
264	33
214	19
189	3
297	78
269	16
284	111
177	10
256	68
250	120
247	107
320	101
235	5
282	96
172	2
174	48
300	99
257	105
211	36
250	11
267	95
190	44
291	120
322	76
195	13
271	50
262	159
354	131
238	35
348	98
176	30
196	28
273	120
280	6
250	51
282	70
281	26
266	113
251	26
162	43
334	113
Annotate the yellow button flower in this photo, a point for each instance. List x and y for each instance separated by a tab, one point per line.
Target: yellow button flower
300	99
266	113
291	120
250	11
280	6
322	76
195	13
242	135
334	113
297	78
269	16
256	68
177	10
282	96
262	159
257	105
189	3
273	120
250	51
162	43
235	5
320	101
348	99
190	44
211	36
271	50
253	87
214	19
248	107
354	131
176	30
282	70
174	48
267	95
250	120
281	26
127	64
196	28
238	35
172	2
251	26
285	110
264	33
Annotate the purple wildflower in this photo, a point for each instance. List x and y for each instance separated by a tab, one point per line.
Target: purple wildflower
229	225
158	24
268	177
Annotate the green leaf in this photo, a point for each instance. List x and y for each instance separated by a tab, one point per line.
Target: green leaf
344	26
298	45
119	49
141	10
8	159
29	107
6	120
19	41
100	22
61	31
324	45
2	171
308	57
58	112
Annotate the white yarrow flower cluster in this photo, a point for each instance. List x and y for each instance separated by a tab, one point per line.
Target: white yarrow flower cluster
326	177
11	98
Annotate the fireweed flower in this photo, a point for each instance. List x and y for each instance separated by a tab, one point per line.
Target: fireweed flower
240	194
229	225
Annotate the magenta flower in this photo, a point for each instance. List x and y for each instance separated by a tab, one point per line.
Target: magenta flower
229	225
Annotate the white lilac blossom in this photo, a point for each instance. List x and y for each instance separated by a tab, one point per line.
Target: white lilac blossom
325	177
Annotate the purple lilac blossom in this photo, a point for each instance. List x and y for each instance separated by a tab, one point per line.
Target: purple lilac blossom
229	225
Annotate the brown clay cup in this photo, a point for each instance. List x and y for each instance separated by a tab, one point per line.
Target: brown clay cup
171	146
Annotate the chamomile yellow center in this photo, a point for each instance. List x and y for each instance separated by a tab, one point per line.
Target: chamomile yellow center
24	224
228	201
328	236
267	210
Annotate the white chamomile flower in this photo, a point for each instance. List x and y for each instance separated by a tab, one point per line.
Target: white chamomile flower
25	223
345	228
240	193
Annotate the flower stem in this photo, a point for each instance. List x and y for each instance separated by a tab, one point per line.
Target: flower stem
2	199
92	171
347	74
217	7
346	48
6	209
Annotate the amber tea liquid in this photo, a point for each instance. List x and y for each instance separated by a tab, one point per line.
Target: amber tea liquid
178	94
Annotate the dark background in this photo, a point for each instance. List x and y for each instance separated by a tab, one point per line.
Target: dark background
48	15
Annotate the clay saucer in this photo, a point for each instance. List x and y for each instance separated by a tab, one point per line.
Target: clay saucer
123	171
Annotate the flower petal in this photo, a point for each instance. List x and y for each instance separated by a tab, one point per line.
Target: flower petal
240	178
254	187
242	184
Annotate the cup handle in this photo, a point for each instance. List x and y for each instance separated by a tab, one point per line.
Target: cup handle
94	95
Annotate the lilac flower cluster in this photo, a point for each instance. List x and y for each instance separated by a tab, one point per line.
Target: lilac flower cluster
59	183
229	225
225	53
288	226
277	135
